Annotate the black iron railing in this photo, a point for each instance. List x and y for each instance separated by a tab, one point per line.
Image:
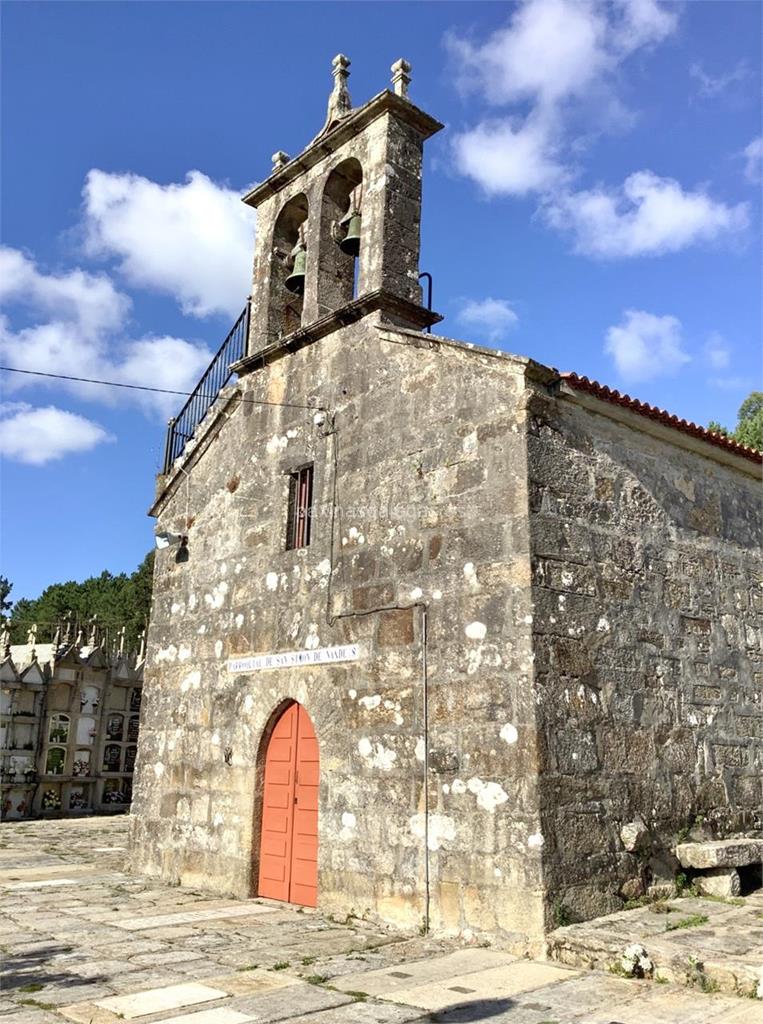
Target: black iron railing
181	427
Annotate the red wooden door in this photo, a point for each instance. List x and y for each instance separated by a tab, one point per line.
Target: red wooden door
289	843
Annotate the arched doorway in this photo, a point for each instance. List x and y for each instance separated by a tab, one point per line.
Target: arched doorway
289	835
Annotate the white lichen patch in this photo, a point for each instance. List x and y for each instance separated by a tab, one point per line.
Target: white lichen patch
438	830
509	733
184	653
202	629
218	648
535	841
347	831
166	654
248	702
239	620
276	444
602	626
159	770
312	640
469	443
470	575
458	787
217	598
176	607
489	794
436	595
215	739
193	679
352	694
191	602
416	593
421	749
369	703
377	754
476	630
271	581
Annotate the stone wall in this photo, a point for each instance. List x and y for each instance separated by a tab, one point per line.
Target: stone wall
425	467
648	656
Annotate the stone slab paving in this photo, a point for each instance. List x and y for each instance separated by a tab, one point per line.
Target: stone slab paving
709	943
84	942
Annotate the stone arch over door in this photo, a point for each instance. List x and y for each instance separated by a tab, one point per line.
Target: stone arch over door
287	845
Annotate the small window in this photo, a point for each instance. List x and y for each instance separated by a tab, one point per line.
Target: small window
300	508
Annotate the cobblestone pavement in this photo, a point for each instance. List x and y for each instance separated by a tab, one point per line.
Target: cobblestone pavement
82	941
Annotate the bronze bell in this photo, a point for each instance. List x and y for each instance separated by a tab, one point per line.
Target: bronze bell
295	282
350	244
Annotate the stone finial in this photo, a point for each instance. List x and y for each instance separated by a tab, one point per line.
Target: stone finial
121	647
401	77
5	639
141	645
31	637
94	638
280	159
340	103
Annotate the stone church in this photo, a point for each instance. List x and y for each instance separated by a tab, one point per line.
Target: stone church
433	624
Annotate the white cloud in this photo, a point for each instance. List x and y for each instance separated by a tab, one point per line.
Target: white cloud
551	49
753	154
640	23
509	159
88	301
556	63
647	216
193	240
717	352
81	331
711	86
37	436
493	317
644	346
555	55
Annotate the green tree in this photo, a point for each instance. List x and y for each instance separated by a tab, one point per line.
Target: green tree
749	428
5	588
116	601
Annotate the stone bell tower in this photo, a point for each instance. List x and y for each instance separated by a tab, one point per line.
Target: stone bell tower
338	228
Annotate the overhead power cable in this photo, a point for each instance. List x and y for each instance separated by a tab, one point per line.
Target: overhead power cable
160	391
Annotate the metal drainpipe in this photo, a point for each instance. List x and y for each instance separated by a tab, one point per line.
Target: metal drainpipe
425	689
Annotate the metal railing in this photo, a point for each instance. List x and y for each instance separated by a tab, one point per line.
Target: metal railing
180	428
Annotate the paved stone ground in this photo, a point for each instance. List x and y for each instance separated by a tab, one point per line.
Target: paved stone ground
703	942
84	942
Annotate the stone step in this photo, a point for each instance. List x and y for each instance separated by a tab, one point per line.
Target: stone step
720	853
713	957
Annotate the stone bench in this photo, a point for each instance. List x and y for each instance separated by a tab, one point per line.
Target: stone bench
718	861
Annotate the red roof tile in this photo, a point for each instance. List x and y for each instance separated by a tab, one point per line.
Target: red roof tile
592	387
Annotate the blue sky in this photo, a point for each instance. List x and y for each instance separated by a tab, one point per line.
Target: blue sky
594	203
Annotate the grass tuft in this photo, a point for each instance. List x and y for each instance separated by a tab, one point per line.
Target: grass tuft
692	921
